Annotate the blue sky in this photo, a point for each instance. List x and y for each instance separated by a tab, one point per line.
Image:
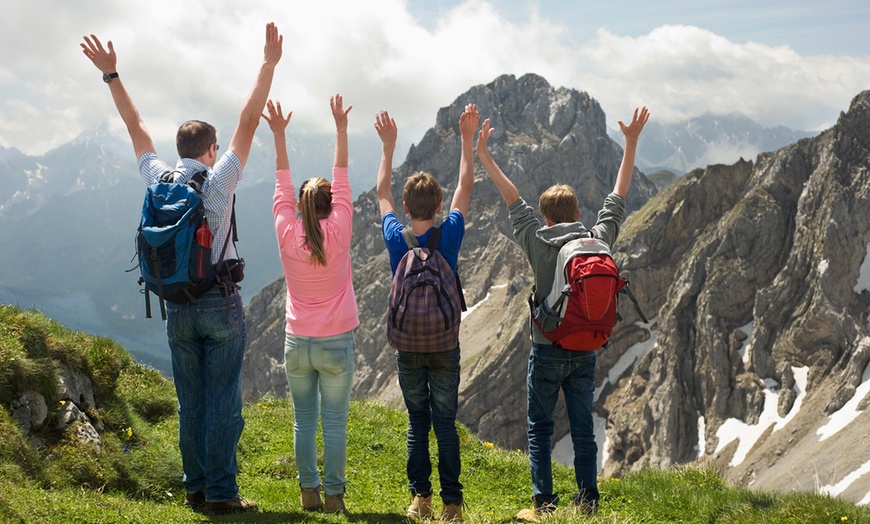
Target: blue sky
796	64
809	27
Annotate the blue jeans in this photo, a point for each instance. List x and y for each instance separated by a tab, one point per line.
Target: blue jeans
430	386
207	341
320	376
552	368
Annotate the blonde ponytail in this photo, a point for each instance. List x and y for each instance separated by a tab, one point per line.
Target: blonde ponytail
315	204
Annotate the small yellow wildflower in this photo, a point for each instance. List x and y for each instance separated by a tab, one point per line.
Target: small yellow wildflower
489	444
129	432
844	518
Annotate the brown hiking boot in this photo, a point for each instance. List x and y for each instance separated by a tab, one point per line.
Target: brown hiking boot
311	500
537	513
195	501
237	505
451	512
335	504
421	507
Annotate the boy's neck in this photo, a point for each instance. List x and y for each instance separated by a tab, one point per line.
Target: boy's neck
421	226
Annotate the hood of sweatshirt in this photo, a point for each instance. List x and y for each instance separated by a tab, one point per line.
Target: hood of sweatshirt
558	234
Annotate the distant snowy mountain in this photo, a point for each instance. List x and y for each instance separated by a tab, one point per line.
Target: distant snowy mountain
707	139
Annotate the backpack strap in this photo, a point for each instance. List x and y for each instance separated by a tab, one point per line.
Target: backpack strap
627	291
156	261
196	181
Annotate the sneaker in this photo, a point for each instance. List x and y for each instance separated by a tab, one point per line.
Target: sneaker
335	504
195	501
237	505
451	512
311	500
421	507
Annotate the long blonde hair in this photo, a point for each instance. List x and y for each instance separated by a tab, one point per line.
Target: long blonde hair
315	204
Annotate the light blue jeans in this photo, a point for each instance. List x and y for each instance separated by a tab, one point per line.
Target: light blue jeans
207	341
320	376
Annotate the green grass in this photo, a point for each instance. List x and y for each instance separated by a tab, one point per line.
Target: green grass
136	476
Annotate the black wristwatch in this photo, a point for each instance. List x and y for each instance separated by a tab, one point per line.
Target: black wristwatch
108	77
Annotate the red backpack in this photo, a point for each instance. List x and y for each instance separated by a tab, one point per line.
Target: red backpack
580	311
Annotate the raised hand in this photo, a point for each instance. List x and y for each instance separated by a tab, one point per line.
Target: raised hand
386	128
274	44
276	119
638	120
483	138
338	112
105	61
468	121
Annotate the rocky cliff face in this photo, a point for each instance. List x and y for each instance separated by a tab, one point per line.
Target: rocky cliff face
543	135
756	359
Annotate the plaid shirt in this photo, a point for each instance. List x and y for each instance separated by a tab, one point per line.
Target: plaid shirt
218	190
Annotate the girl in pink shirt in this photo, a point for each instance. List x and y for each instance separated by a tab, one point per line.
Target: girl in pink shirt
321	312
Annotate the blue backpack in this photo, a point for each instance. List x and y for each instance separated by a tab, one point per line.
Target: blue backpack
165	242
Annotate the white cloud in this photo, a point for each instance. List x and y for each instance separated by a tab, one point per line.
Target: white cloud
198	59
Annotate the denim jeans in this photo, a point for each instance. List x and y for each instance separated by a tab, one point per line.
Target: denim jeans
320	376
207	341
430	386
552	368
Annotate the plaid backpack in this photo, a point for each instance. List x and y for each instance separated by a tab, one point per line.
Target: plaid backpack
580	311
426	301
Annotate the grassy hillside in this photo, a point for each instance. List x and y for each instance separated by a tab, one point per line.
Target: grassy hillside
137	475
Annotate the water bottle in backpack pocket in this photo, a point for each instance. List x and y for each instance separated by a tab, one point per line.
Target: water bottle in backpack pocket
202	269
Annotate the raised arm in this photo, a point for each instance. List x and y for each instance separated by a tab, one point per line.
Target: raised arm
240	143
106	61
507	188
387	130
278	124
632	133
467	126
340	116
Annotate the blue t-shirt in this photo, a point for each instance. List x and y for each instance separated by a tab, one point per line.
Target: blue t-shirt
452	231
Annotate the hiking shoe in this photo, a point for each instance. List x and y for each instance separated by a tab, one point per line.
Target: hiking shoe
452	512
536	513
237	505
421	507
335	504
311	500
195	501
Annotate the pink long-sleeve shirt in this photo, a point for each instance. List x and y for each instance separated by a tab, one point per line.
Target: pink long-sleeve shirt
320	299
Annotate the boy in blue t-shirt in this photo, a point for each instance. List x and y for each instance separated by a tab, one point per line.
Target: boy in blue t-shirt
429	381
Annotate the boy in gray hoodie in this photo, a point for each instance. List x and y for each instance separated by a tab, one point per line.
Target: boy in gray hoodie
551	367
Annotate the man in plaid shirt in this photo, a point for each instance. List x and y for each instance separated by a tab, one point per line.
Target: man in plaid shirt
206	338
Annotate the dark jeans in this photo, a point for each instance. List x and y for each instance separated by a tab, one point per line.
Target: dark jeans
552	368
207	341
430	386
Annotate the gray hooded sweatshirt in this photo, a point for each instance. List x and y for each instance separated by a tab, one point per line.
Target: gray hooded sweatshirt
541	244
